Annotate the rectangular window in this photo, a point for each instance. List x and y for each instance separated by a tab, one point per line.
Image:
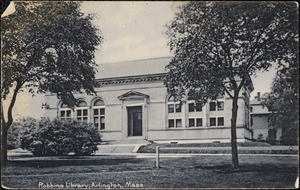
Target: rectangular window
212	106
78	113
96	122
99	118
171	123
102	111
82	115
192	122
178	108
62	114
102	122
198	107
199	122
65	114
178	123
212	121
195	107
221	121
171	108
220	106
191	107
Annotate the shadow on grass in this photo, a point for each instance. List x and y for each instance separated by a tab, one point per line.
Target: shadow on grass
262	168
72	162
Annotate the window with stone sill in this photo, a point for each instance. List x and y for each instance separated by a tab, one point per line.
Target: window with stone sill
65	112
213	121
82	111
174	123
195	122
220	121
216	106
173	107
99	114
193	106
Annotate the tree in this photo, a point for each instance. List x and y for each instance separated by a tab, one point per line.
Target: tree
218	46
46	46
283	102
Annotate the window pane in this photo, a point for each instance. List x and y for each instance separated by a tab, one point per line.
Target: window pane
171	108
191	107
191	122
178	123
82	104
212	121
198	107
85	119
99	103
78	112
212	106
171	123
68	113
199	122
102	119
178	108
96	120
62	113
171	99
221	121
96	112
102	111
102	126
64	106
85	112
220	106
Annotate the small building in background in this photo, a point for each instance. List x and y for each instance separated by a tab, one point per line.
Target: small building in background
262	130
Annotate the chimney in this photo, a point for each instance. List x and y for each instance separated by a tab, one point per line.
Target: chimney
258	96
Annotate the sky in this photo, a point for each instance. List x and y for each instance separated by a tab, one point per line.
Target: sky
131	31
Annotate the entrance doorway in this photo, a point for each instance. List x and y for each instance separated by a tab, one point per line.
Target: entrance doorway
135	121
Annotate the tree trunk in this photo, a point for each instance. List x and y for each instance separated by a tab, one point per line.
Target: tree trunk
5	125
4	143
234	152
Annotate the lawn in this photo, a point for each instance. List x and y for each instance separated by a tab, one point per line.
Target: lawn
128	171
214	148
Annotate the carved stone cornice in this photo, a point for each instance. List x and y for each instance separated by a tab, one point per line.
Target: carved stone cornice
130	79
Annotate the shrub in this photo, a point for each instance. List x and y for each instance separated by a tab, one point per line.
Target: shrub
61	137
260	138
17	130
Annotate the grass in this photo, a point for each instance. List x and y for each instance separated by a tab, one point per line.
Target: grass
222	148
188	172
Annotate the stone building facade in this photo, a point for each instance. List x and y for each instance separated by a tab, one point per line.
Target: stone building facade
132	103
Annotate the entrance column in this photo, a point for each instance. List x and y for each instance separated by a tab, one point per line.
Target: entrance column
123	120
145	118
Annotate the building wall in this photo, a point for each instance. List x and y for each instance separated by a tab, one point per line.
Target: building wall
155	114
260	119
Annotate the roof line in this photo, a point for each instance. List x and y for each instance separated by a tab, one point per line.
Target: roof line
131	76
135	60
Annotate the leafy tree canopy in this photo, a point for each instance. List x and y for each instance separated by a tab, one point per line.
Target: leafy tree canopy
283	100
48	46
217	41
